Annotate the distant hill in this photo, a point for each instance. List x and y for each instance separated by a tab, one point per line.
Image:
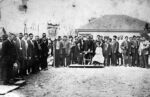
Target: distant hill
115	22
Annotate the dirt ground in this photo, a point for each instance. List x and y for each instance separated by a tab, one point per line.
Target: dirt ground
87	82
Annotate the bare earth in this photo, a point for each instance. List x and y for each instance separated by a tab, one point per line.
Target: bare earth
87	82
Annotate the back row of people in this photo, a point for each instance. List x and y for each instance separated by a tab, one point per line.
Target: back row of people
130	51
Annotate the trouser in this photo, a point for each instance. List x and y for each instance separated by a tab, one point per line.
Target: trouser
7	73
72	55
57	58
24	67
44	63
80	58
66	60
21	67
114	59
144	61
30	65
35	66
106	60
134	59
109	60
120	59
125	59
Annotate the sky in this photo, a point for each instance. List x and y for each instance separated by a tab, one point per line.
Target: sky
70	14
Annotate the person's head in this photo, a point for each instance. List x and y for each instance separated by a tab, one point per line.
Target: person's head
126	38
70	38
143	38
114	37
4	37
110	40
30	36
11	36
98	36
26	36
119	38
88	37
134	37
91	37
44	35
59	38
75	37
138	38
105	39
101	37
36	37
130	38
44	38
20	35
65	38
78	44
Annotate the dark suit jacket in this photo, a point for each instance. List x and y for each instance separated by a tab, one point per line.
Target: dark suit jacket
30	50
78	51
92	46
106	49
37	49
115	47
9	54
86	45
44	49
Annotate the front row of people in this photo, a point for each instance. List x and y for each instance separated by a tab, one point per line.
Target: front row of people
29	55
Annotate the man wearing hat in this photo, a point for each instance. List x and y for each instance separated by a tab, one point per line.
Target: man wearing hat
9	56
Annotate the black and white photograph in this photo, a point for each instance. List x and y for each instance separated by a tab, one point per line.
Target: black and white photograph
74	48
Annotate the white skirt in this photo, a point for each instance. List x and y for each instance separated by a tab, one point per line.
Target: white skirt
98	58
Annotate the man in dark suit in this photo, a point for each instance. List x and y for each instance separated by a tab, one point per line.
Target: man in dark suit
134	51
30	53
92	45
9	56
115	48
58	52
78	53
37	54
44	53
86	48
106	52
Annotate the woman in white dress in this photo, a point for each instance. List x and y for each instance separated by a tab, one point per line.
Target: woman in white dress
98	58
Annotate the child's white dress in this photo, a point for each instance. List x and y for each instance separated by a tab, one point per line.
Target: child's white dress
98	55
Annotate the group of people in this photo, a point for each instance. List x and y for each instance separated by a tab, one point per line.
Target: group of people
127	51
22	55
30	55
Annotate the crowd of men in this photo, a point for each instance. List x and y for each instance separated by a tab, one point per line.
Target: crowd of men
30	55
22	56
127	51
